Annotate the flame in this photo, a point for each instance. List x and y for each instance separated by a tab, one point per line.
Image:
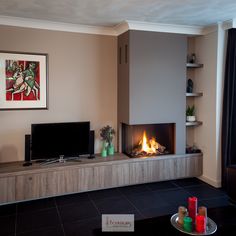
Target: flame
148	147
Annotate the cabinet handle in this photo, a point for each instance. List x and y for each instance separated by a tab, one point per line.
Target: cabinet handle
30	178
120	55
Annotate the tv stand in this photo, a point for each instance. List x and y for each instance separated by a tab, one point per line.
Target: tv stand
62	159
19	183
91	156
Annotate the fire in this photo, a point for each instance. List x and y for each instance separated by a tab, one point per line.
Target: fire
148	147
151	146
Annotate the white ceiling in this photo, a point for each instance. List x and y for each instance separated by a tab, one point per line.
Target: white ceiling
112	12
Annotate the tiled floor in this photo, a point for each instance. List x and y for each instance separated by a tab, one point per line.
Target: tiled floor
79	214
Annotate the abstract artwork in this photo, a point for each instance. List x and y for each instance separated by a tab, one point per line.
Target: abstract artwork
23	81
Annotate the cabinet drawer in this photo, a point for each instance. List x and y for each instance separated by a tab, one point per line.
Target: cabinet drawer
31	186
7	189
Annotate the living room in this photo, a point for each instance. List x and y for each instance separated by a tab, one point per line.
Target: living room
101	69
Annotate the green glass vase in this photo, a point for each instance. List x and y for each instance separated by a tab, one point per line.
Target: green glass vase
104	149
110	150
104	152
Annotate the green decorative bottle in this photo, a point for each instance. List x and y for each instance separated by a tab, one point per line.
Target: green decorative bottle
104	149
110	149
104	152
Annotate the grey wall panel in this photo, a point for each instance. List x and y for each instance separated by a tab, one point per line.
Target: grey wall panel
158	81
123	79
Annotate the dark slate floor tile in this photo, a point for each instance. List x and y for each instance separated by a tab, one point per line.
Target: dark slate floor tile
160	211
222	215
104	194
7	225
118	205
6	210
55	231
215	202
204	192
147	200
72	199
135	189
35	205
82	211
37	220
82	228
175	197
166	185
188	182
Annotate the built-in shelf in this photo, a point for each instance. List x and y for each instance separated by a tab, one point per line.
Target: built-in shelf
194	65
194	94
195	123
20	183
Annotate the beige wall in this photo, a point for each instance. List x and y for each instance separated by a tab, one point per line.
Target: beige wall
206	49
82	83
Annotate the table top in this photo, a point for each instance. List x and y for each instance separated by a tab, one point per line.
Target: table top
224	217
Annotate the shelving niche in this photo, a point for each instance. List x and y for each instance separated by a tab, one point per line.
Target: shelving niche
191	69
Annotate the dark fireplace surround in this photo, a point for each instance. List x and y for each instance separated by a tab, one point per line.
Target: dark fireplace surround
132	139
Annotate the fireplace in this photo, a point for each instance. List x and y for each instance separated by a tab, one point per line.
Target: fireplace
148	139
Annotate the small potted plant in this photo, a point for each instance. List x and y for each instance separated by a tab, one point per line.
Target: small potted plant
107	134
190	114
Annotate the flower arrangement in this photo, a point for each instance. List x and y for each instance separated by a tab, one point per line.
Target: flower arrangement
107	134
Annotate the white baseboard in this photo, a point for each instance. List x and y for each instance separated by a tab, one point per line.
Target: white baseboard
214	183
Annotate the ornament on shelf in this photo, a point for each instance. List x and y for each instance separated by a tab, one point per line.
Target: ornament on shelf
189	86
192	58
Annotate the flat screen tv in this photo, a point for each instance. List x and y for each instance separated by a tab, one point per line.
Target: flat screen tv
55	139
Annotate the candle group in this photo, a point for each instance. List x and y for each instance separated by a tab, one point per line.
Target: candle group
194	218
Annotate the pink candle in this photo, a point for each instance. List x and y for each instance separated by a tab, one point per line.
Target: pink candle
192	207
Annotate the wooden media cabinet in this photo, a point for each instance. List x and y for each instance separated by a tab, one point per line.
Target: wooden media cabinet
19	183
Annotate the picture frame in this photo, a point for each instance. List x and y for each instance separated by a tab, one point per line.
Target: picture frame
23	80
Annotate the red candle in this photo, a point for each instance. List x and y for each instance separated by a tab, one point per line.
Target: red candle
192	207
200	224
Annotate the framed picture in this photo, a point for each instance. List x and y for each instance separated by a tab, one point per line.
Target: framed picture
23	81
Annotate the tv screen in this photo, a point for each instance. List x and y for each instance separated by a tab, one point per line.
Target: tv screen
56	139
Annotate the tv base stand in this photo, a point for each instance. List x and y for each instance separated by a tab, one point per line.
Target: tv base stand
62	159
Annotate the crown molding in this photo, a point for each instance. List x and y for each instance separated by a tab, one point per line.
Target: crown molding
233	23
114	30
165	28
169	28
101	30
209	29
57	26
121	28
227	24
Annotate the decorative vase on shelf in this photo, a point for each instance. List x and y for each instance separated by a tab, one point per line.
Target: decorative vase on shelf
110	149
104	152
104	149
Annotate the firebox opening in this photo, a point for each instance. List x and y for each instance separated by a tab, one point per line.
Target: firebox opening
148	140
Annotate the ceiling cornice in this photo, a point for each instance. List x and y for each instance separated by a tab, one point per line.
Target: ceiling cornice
158	27
234	23
113	30
57	26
